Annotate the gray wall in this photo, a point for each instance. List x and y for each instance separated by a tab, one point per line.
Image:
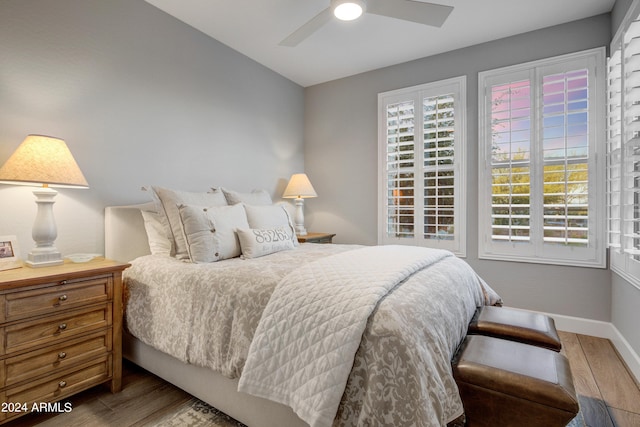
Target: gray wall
617	14
341	161
140	98
625	310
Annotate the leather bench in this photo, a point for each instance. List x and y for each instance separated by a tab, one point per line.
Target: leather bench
511	384
516	325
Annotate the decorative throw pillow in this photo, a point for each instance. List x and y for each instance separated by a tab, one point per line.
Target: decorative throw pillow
210	231
256	197
169	202
158	233
259	242
262	217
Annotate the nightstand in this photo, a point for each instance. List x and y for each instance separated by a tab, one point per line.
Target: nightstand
60	332
316	238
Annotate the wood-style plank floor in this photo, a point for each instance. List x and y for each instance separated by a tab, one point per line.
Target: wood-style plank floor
609	395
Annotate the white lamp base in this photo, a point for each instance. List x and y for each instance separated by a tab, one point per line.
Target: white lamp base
44	232
299	217
36	260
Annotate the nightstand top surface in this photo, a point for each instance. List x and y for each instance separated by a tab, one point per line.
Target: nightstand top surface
314	237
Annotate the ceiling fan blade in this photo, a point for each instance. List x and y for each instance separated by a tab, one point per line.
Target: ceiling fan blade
307	29
409	10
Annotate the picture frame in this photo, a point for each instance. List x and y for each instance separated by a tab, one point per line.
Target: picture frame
9	253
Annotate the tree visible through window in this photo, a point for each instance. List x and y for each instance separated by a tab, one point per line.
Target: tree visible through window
400	169
510	161
439	175
565	145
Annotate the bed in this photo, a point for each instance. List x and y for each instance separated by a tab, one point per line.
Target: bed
393	379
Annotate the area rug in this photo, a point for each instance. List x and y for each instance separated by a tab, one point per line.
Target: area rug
196	413
578	421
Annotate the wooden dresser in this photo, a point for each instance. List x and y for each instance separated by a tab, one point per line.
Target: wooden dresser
60	333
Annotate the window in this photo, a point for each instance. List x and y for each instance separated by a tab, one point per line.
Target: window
421	164
541	180
623	148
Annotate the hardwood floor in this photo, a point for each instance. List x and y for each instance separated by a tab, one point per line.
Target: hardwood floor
609	395
143	399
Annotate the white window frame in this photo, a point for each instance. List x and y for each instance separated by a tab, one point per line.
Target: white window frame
623	99
536	250
457	87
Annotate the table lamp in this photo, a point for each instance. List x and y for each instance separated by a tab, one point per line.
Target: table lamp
299	188
47	162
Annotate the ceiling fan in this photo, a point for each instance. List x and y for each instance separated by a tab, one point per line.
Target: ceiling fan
348	10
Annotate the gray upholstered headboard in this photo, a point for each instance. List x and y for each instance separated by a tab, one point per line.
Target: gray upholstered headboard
124	235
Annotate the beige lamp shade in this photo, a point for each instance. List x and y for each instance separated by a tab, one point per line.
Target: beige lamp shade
299	187
43	160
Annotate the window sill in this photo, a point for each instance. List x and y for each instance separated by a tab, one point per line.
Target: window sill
545	261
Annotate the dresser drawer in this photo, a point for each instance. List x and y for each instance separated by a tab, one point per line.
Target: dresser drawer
51	299
28	335
56	387
55	358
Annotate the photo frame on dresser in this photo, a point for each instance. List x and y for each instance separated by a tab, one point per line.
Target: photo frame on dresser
9	253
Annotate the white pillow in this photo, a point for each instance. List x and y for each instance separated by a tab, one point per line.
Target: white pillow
263	217
171	199
158	233
256	197
259	242
210	231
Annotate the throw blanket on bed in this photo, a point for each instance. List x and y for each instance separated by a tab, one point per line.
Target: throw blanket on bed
307	338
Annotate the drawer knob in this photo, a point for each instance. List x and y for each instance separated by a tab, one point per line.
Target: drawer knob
62	355
62	384
63	282
62	297
62	326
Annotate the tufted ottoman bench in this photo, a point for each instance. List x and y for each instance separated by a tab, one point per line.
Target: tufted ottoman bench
506	383
516	325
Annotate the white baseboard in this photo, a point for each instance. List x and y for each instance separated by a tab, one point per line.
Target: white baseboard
600	329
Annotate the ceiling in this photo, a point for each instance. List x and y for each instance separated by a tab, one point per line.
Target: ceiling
340	49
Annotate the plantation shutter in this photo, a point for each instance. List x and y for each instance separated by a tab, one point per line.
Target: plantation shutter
511	161
565	147
623	148
614	150
438	171
631	147
421	186
540	124
401	166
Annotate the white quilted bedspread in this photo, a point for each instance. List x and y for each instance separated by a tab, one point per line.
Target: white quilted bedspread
304	347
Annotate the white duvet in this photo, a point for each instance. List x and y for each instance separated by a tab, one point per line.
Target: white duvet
208	315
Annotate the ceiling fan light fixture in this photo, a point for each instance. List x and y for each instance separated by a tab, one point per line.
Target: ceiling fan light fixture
347	10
